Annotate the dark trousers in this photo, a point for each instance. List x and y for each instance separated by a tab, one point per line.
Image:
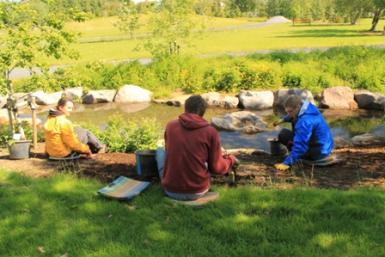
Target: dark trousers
286	137
87	137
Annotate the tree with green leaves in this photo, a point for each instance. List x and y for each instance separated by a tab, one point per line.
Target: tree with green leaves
280	7
128	19
378	10
244	5
28	37
92	7
353	9
171	27
300	9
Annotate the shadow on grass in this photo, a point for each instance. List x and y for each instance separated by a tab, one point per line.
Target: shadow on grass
63	215
306	25
326	33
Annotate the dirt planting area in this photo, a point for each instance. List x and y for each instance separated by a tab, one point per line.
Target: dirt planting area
358	167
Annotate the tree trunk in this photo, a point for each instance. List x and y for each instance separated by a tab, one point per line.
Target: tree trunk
354	17
376	19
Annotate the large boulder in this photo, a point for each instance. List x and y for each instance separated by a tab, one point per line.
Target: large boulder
374	137
99	96
216	99
281	96
369	100
175	101
242	121
256	100
132	94
74	93
43	98
338	98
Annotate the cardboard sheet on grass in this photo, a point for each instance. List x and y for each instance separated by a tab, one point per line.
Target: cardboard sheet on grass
124	188
207	198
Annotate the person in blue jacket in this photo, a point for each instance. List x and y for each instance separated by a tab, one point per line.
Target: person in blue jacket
310	137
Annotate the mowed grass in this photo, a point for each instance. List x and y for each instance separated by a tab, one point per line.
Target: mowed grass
111	46
63	216
105	28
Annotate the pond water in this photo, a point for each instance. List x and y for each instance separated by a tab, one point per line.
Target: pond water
345	123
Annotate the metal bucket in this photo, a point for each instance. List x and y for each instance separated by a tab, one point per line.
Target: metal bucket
276	147
19	150
146	166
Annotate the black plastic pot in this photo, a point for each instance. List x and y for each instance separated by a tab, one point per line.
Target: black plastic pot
146	166
276	147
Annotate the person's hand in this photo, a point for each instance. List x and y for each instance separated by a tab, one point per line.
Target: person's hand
90	155
237	162
281	166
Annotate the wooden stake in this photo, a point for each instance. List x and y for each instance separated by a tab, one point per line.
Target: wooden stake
34	125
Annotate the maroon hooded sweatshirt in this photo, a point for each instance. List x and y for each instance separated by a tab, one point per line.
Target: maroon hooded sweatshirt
191	144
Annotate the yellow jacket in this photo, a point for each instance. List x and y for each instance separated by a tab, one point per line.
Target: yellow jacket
60	138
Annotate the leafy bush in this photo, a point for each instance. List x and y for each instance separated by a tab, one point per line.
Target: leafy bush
357	67
126	136
28	132
291	80
5	135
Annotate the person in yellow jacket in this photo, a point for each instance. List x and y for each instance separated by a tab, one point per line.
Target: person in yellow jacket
63	139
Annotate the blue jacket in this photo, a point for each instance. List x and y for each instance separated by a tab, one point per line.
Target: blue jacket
310	126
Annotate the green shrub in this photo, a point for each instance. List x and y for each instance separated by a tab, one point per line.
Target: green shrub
229	81
357	67
291	80
261	74
5	135
28	132
126	136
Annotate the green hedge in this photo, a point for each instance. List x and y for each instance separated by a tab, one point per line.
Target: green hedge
357	67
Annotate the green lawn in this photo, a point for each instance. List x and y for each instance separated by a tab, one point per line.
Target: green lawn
63	215
279	36
104	28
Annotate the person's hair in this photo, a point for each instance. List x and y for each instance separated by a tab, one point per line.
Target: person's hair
62	102
195	104
293	101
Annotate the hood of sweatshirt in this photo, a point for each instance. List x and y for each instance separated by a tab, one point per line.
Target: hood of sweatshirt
192	121
308	109
54	113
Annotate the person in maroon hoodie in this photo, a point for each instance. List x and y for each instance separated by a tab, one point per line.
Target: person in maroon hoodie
193	151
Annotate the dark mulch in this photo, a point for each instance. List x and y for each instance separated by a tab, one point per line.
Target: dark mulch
360	167
108	166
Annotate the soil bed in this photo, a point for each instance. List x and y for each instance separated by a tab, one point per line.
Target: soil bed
360	167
